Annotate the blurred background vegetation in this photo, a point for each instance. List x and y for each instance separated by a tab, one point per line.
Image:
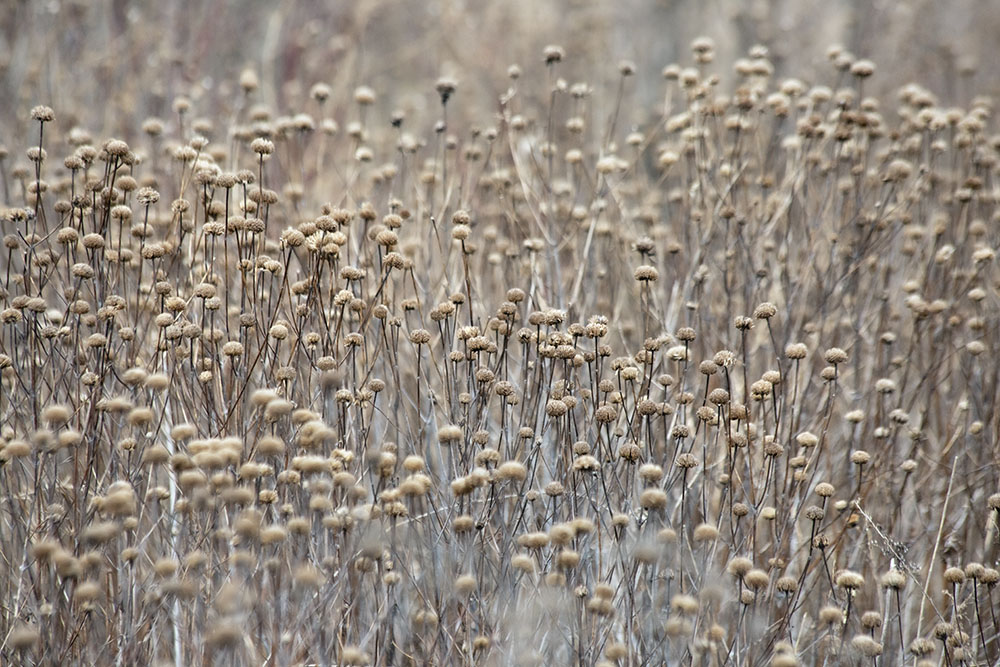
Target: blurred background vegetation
112	63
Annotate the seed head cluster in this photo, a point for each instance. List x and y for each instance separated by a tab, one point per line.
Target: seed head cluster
354	378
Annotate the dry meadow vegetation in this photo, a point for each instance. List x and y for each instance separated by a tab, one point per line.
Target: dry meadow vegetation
570	361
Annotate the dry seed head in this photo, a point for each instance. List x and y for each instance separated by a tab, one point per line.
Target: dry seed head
944	630
272	534
364	96
739	566
760	389
449	434
512	470
824	490
567	559
56	415
45	549
553	54
688	335
42	114
687	460
320	92
600	607
787	584
860	457
831	615
535	540
756	578
650	473
270	445
866	645
555	408
562	533
863	69
849	580
232	348
523	563
954	576
653	499
413	464
87	591
765	311
796	351
465	584
871	620
807	439
921	646
646	273
974	570
355	656
705	532
586	463
23	637
248	80
463	523
605	414
262	146
308	576
835	355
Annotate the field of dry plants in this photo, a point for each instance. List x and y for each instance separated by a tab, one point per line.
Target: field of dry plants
322	344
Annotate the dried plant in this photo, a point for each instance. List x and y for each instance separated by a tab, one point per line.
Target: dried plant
358	378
